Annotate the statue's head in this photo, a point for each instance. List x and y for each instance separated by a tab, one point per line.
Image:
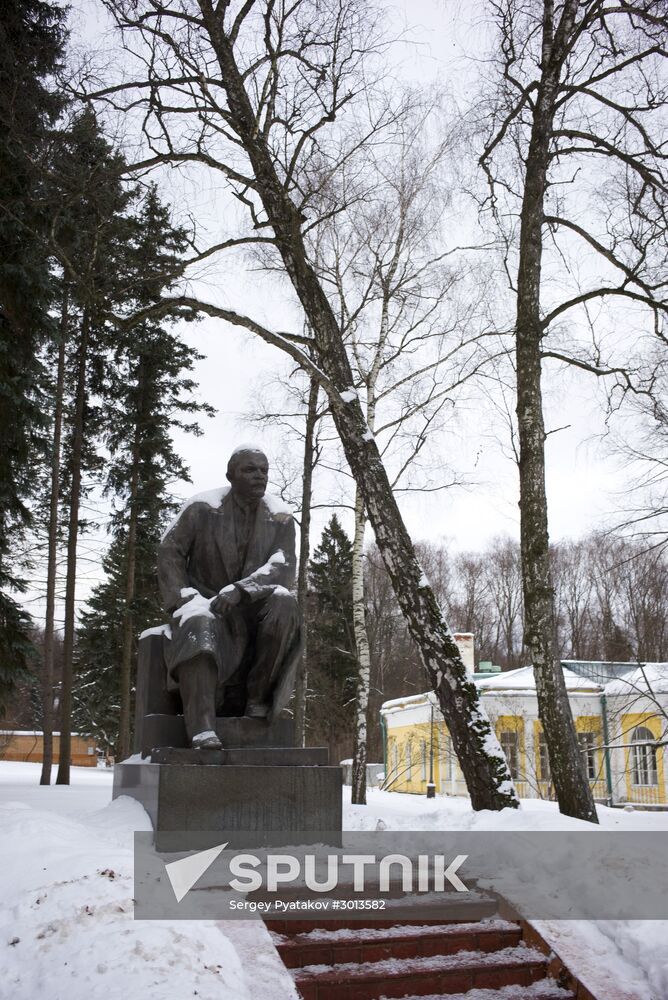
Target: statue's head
248	472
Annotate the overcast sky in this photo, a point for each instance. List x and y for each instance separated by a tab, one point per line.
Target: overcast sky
582	477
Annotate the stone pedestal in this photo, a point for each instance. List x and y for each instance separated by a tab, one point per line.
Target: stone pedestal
259	784
265	800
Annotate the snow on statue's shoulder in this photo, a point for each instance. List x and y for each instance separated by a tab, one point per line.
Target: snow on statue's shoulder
277	506
213	498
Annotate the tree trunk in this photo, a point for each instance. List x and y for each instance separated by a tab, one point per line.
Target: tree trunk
570	781
123	748
301	681
363	658
63	777
483	765
49	624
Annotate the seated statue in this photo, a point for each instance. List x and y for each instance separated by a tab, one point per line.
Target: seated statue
226	568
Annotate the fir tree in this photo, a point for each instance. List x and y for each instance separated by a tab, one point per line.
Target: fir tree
149	393
32	36
92	236
332	657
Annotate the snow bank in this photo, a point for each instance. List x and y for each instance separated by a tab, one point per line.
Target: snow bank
66	928
642	944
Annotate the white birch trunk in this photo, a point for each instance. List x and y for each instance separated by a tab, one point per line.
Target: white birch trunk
363	657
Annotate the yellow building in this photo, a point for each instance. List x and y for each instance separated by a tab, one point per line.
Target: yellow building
637	708
27	745
620	726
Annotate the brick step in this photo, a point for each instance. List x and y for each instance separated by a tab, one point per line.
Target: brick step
331	947
544	989
420	977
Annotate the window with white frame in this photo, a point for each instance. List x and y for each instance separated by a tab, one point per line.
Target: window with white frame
445	757
587	743
510	744
544	773
643	757
409	761
395	761
423	750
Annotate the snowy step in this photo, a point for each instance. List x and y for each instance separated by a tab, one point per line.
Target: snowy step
454	910
421	976
364	945
544	989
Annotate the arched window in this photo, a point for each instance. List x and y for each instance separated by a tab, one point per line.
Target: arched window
423	759
395	761
643	757
409	761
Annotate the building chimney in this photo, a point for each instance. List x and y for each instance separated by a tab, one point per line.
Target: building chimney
465	641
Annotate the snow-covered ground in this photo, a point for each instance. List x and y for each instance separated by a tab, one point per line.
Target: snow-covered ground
416	812
66	925
67	931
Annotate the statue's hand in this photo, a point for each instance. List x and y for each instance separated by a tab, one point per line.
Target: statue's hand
226	599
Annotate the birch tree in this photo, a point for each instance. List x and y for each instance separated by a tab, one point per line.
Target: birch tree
575	161
413	346
263	95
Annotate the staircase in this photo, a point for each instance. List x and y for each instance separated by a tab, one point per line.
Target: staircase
483	960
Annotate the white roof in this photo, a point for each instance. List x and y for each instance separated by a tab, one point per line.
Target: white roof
36	732
650	676
519	680
523	679
408	701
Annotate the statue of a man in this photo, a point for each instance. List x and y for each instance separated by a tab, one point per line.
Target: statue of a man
227	569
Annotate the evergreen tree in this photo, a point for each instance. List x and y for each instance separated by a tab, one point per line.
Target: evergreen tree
149	393
32	36
92	238
332	656
97	692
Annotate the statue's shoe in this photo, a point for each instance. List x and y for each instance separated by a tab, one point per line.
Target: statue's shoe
257	710
206	741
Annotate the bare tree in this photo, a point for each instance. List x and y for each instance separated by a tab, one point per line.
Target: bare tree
504	575
575	599
413	346
261	94
579	87
642	448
